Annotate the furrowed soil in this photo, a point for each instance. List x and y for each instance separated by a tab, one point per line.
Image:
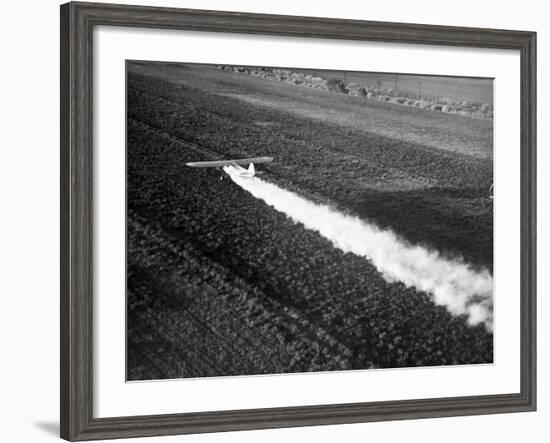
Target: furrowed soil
219	283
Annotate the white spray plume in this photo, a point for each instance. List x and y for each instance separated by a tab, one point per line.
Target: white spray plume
451	283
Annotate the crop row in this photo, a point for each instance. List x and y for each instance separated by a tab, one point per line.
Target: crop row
431	197
219	283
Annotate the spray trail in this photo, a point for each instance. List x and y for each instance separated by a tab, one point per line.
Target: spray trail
451	283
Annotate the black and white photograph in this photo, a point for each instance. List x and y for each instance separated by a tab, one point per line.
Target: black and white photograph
228	221
285	220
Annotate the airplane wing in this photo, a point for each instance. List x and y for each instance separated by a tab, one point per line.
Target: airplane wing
220	163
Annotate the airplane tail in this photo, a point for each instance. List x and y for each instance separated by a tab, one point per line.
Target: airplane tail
251	168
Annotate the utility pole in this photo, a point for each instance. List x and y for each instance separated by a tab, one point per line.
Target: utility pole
396	85
419	90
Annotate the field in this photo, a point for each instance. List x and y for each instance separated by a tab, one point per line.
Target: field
475	90
219	283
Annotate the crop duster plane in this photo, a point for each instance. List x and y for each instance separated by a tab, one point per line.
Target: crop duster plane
234	167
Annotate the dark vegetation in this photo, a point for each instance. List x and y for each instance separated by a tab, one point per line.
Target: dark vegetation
221	284
431	197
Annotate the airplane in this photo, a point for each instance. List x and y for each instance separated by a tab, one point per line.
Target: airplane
233	167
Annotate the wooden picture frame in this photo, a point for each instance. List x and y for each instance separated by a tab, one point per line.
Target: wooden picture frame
77	23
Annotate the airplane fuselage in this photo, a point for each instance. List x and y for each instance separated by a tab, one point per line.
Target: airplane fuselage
239	171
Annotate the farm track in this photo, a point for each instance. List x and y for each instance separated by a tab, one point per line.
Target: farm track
221	284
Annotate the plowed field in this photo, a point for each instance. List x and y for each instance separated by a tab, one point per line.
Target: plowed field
219	283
